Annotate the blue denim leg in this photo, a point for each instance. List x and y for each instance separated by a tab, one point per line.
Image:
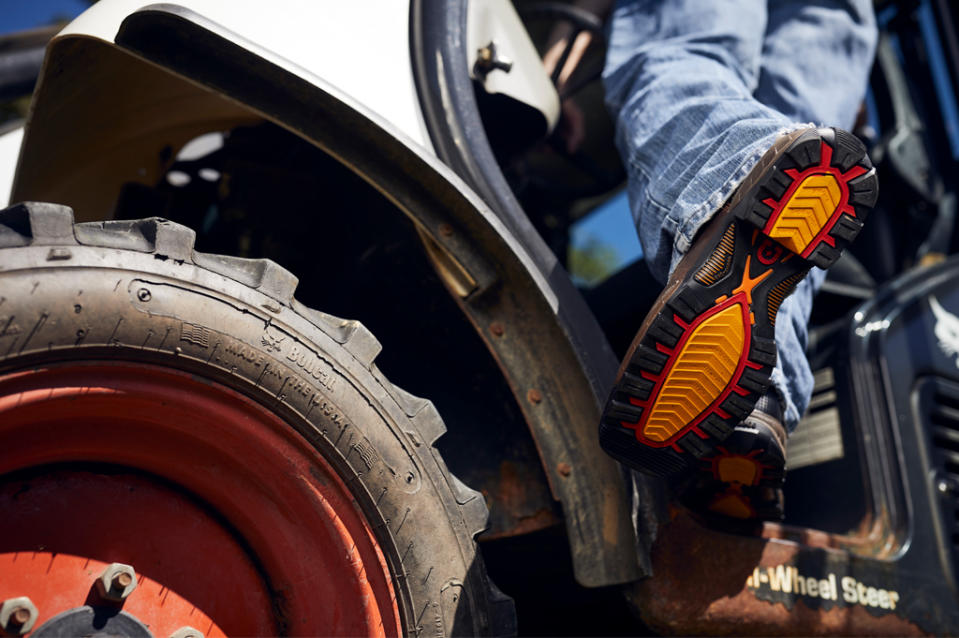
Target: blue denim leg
680	81
679	78
826	87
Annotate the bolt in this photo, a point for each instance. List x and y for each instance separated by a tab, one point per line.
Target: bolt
946	486
187	632
17	615
534	396
497	329
143	294
446	230
564	469
117	582
487	59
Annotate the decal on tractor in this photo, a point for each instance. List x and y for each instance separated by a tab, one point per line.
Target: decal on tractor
946	330
786	581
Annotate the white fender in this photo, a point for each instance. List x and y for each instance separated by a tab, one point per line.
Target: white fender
361	48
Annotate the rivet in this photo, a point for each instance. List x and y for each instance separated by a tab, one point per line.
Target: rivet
534	396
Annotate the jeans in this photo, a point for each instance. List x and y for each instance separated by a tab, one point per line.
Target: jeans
699	89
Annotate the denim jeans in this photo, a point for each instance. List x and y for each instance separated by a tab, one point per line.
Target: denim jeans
699	89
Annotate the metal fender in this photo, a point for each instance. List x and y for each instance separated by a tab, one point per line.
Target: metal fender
167	73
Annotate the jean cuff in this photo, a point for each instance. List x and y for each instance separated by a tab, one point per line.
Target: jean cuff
688	229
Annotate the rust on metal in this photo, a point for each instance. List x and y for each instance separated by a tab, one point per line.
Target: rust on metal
875	536
534	395
703	583
564	469
497	329
446	230
523	504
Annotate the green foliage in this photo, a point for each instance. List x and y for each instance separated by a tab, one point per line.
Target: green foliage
14	109
592	262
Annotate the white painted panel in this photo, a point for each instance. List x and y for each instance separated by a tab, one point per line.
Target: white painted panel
360	47
9	150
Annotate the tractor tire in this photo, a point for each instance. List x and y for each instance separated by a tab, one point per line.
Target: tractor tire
280	484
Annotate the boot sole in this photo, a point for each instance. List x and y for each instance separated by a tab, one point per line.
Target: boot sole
742	480
705	353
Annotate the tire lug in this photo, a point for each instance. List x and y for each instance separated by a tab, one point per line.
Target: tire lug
17	616
117	582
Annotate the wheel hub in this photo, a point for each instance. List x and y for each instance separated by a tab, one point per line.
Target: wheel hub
233	522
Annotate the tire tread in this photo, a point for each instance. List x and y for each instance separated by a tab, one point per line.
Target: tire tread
31	223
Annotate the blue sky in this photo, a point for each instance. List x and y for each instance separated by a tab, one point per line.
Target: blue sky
16	15
610	224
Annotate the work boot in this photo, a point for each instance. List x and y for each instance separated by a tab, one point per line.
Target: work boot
743	479
704	355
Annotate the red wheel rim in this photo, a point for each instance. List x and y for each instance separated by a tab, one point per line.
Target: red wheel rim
233	522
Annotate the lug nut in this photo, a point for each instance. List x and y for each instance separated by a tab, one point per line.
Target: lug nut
117	582
187	632
17	615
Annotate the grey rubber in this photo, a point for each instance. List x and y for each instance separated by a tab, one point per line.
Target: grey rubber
120	289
